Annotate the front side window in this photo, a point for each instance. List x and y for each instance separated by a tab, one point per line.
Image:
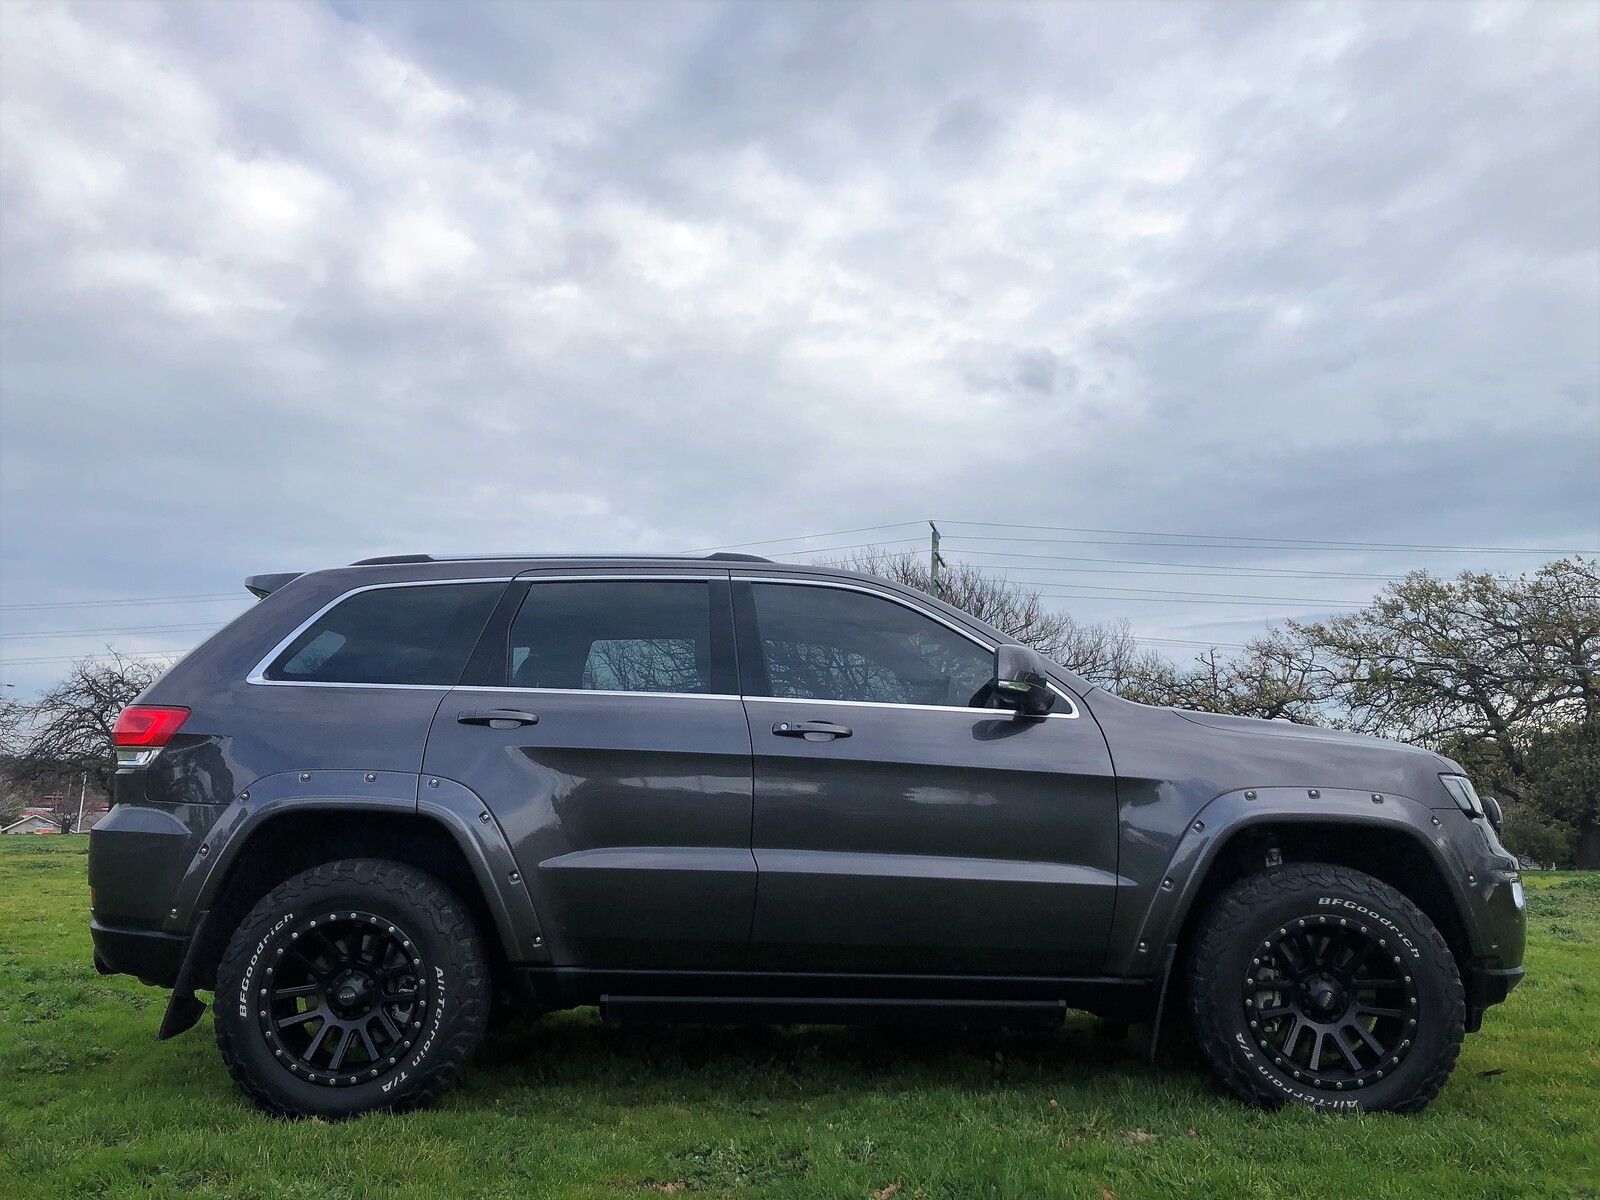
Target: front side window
823	643
395	635
613	636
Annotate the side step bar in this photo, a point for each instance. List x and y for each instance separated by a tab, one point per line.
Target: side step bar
806	1010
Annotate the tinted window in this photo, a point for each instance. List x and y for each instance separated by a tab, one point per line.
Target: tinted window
419	634
831	644
614	636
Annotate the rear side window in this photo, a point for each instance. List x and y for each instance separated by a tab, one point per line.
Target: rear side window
614	636
420	634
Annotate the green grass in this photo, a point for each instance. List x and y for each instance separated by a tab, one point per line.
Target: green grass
92	1105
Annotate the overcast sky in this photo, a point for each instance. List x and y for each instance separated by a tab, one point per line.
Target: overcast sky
283	285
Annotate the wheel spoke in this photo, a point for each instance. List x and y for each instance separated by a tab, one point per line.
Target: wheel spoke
294	993
1337	1037
1372	1043
1315	1061
389	1027
316	1042
1378	1012
339	1051
301	1018
366	1041
1268	1014
1370	982
1293	1039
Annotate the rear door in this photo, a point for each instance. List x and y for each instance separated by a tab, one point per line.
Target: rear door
603	730
899	828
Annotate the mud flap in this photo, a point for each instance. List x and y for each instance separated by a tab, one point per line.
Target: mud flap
183	1010
1167	958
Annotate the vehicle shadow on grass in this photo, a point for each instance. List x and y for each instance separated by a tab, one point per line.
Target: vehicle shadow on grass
647	1063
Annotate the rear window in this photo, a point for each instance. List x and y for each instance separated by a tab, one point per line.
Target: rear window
421	634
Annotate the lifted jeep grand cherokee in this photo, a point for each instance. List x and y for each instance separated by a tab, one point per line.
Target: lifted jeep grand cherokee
728	789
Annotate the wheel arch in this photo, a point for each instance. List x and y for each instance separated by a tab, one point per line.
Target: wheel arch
1233	837
470	857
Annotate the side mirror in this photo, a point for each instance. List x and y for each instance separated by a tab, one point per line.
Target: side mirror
1491	809
1020	681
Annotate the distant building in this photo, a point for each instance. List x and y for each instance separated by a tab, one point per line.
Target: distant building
33	821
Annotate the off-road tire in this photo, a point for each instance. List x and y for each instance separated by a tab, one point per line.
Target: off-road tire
1240	924
437	928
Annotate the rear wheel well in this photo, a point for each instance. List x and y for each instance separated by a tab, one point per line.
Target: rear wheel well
1395	858
296	841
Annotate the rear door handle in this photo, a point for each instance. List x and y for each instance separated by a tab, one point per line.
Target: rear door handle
812	731
497	718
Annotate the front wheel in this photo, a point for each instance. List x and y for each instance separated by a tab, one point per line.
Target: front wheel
354	986
1317	984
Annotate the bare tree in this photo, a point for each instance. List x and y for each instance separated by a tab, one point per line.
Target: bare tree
68	730
1107	655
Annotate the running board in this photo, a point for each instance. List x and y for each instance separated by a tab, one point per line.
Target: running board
810	1010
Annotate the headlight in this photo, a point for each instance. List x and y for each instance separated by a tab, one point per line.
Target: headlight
1463	793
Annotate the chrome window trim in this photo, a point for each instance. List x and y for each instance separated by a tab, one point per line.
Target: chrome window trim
531	691
257	673
850	586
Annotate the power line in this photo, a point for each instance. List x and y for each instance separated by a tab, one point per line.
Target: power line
970	537
1175	597
1216	572
31	662
134	600
62	633
1230	537
801	538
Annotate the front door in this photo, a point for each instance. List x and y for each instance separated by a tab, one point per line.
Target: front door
899	828
618	766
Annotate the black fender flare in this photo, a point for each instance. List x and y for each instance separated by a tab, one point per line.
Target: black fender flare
456	810
1222	819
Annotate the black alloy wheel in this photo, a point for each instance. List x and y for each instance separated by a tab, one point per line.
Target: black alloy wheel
346	998
1329	1001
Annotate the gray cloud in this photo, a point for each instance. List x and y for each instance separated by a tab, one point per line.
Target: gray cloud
282	285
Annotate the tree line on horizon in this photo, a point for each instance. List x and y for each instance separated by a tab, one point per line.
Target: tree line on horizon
1500	674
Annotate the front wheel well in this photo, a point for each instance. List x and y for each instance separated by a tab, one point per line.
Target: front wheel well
1393	857
296	841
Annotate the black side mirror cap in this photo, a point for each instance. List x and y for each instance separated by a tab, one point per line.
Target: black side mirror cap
1491	809
1020	681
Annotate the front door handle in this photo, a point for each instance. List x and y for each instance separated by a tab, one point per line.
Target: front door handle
497	718
812	731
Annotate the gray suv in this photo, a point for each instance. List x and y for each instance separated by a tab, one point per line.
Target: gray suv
393	794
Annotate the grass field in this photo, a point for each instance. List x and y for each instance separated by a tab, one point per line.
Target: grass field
92	1105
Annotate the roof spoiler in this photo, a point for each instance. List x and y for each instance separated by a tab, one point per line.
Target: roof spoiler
262	586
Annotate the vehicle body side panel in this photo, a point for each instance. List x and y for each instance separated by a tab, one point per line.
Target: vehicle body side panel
1171	766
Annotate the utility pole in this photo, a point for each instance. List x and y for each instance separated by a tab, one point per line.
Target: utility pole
935	559
83	790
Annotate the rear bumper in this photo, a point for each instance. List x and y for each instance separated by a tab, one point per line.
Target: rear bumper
150	956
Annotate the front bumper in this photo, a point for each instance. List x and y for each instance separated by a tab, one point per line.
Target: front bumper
150	956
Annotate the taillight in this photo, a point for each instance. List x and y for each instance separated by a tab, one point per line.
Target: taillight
143	729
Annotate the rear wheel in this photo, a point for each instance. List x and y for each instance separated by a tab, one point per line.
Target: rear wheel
354	986
1319	985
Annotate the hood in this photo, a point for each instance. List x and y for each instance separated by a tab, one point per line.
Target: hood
1255	727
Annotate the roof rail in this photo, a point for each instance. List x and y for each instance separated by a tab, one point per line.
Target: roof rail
390	560
731	556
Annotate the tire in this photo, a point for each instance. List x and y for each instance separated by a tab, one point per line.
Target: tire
380	957
1284	962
